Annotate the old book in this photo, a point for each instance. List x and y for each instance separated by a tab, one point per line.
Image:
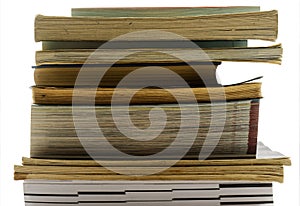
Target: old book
161	11
200	75
271	54
267	167
133	193
253	25
151	12
103	96
54	45
227	129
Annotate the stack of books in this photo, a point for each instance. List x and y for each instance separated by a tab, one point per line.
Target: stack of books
127	109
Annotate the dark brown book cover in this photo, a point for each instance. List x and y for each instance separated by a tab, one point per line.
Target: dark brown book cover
199	75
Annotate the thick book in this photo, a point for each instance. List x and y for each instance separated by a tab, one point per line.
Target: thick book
135	193
269	54
237	26
103	96
199	75
225	129
267	167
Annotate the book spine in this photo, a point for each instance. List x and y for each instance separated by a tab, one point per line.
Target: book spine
253	127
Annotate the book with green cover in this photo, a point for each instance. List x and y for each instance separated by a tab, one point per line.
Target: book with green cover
161	11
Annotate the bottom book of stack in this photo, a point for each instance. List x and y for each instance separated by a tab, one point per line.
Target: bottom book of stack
156	193
231	182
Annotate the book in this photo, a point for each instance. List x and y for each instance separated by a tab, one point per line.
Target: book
228	129
270	54
54	45
151	12
103	96
267	167
238	26
131	193
199	75
161	11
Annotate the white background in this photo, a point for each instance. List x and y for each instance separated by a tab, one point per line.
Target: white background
279	111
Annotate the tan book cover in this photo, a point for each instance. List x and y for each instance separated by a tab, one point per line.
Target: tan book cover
268	166
253	25
103	96
270	54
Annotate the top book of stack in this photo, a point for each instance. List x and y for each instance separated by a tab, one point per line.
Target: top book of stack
228	23
222	33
